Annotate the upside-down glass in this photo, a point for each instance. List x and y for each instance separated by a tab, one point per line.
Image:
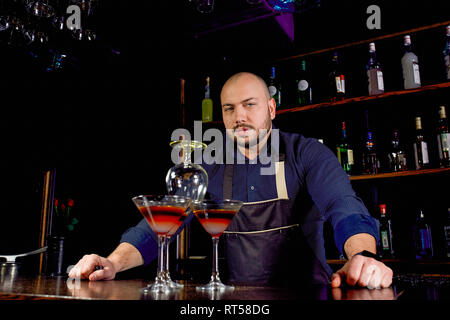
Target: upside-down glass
184	179
40	8
59	22
84	35
4	23
205	6
215	216
86	6
162	212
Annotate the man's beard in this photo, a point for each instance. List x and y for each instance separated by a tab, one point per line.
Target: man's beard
249	142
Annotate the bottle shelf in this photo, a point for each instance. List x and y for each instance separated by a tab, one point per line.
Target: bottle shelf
353	100
364	98
363	42
399	174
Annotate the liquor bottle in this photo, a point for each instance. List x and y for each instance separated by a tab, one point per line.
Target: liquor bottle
410	66
370	161
374	72
387	249
207	104
447	233
396	156
423	240
345	152
447	55
274	87
337	80
303	81
420	147
443	138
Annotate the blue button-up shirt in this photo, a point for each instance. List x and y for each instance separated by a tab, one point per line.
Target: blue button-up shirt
312	173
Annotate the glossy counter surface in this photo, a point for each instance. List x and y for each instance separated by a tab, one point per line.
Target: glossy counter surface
63	288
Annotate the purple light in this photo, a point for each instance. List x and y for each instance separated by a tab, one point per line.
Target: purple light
286	22
284	19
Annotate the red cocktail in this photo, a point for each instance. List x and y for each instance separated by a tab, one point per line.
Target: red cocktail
215	221
162	218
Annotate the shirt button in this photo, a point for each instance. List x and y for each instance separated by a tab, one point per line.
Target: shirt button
252	188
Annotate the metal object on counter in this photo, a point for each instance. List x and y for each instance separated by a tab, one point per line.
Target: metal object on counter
12	257
10	269
55	256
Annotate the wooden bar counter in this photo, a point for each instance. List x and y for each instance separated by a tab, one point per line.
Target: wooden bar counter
62	288
59	296
42	287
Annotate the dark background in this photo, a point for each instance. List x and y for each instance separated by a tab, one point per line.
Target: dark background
106	124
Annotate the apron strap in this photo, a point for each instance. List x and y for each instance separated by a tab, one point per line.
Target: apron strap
281	180
227	186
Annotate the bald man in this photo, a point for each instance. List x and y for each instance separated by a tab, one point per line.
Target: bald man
277	236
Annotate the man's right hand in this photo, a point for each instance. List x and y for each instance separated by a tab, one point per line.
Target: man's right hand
87	268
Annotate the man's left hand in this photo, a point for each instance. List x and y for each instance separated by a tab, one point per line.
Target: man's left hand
363	271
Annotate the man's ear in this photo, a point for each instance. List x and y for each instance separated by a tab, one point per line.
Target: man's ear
272	108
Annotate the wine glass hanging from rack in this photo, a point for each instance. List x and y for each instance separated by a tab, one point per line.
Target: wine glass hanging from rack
25	22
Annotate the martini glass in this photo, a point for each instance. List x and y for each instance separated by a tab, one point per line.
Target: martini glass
215	216
162	212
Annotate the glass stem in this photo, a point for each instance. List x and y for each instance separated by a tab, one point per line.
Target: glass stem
160	274
186	155
215	263
166	249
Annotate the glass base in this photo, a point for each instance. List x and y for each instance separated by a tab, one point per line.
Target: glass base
158	286
215	286
172	284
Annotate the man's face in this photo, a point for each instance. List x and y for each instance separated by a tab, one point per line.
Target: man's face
246	109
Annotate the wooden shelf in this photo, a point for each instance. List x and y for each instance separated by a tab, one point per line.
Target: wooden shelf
353	100
364	98
375	39
399	174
